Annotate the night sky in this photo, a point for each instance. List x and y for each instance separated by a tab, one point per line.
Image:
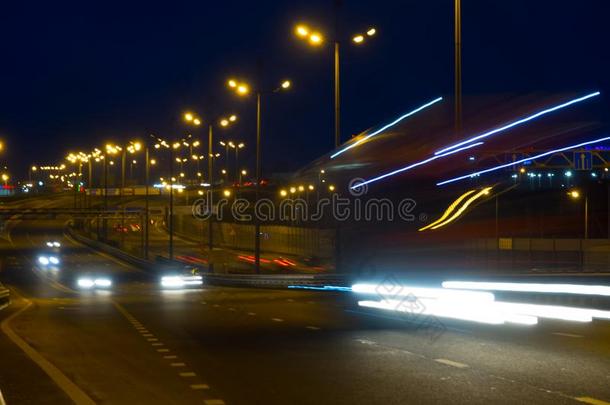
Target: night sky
76	75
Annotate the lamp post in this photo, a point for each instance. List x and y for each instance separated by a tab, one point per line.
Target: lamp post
575	194
226	145
243	89
458	65
146	203
170	220
316	39
223	122
237	147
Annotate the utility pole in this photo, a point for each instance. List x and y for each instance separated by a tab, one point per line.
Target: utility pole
458	67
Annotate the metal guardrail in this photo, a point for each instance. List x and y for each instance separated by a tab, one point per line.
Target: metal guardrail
232	280
5	298
103	247
276	280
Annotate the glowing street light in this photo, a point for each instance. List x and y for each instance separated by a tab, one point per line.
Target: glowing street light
316	39
243	89
575	195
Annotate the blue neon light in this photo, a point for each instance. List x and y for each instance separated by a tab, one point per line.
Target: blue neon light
413	165
522	160
518	122
396	121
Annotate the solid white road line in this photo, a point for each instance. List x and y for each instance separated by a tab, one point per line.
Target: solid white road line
2	402
70	388
451	363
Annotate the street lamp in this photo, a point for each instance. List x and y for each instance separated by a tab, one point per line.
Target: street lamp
174	146
237	147
224	122
243	89
316	39
575	195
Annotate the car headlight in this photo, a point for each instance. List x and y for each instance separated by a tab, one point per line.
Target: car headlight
180	281
50	244
85	282
43	260
102	282
172	281
53	260
56	244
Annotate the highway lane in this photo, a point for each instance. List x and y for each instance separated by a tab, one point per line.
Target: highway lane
139	343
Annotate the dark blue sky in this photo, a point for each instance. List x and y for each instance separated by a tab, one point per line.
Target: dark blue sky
75	75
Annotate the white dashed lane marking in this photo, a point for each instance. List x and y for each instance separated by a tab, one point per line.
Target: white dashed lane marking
312	328
150	338
252	313
567	335
277	319
187	374
451	363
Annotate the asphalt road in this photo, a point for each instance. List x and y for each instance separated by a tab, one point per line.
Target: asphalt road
139	344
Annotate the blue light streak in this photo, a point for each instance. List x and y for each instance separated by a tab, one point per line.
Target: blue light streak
518	122
522	160
413	165
391	124
325	288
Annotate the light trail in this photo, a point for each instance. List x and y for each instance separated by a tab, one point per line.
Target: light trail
459	212
518	122
521	161
413	165
448	211
580	289
391	124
